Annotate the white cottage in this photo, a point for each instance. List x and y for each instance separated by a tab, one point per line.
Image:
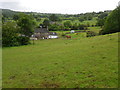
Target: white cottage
52	35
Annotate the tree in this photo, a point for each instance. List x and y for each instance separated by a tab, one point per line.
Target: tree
68	24
103	15
81	19
89	17
88	24
82	27
61	27
15	17
75	26
46	22
3	19
100	22
9	34
112	23
54	27
53	17
27	24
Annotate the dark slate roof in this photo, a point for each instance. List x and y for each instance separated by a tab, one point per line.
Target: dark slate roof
41	30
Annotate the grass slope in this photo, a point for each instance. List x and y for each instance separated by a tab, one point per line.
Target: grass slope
59	63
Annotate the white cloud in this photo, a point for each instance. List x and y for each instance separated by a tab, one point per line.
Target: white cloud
9	0
64	6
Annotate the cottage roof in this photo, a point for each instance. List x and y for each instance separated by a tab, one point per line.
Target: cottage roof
41	30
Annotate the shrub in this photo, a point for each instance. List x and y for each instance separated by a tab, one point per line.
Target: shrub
63	35
100	32
100	22
75	26
23	40
82	27
81	19
67	28
91	34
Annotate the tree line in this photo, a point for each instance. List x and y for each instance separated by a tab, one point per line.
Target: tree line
18	27
17	32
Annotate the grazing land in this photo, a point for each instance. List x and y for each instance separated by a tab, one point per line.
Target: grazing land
78	62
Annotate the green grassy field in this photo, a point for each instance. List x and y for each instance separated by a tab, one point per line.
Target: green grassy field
63	63
86	22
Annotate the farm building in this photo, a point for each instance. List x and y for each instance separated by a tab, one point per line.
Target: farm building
43	33
52	35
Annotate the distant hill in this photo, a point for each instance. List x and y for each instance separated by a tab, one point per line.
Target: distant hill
8	13
11	13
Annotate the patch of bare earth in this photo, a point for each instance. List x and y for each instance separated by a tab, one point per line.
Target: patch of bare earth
49	85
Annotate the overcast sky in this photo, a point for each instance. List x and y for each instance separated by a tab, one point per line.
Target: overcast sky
59	6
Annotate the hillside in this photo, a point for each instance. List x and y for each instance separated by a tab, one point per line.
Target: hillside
58	63
11	13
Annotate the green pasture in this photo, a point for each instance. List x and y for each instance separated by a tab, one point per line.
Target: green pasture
86	22
80	34
78	62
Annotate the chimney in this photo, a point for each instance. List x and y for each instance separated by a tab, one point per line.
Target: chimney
47	27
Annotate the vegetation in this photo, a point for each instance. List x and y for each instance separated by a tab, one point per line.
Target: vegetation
54	18
101	22
91	34
63	63
27	24
68	24
62	22
46	23
54	27
77	62
17	33
9	34
112	23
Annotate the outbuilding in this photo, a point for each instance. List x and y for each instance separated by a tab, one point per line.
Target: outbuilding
52	35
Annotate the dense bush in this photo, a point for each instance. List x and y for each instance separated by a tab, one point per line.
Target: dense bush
79	27
82	27
100	22
54	18
90	34
67	28
15	34
112	23
9	34
81	19
75	27
100	32
103	15
54	27
63	34
16	17
23	40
